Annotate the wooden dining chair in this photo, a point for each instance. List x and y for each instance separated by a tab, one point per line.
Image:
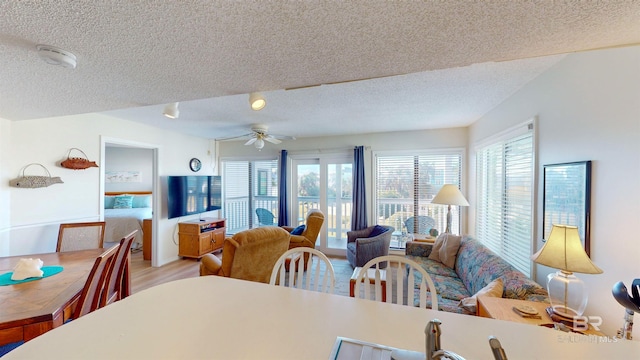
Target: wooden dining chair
319	275
117	283
409	280
92	291
80	236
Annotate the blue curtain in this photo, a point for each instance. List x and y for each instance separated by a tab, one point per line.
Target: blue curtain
283	203
359	208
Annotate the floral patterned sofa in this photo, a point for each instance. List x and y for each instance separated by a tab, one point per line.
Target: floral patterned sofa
475	267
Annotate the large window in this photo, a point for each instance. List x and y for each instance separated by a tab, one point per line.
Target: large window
247	186
504	210
407	182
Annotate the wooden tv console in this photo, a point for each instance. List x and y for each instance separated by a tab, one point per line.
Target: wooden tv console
199	237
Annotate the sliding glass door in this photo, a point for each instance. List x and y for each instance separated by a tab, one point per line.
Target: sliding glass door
326	184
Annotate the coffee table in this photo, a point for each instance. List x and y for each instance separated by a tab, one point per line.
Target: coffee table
371	275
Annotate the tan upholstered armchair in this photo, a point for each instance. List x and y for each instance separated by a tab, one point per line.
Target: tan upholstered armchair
248	255
313	224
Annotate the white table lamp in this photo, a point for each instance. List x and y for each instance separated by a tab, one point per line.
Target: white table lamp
449	195
564	251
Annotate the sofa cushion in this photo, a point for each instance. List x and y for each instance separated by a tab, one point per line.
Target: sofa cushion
445	249
493	289
477	266
447	305
433	267
450	287
518	286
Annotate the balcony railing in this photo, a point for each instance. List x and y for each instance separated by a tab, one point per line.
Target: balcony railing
392	212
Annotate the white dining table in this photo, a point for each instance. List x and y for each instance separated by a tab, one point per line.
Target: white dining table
214	317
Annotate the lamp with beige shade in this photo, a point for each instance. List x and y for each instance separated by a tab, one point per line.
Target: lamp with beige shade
564	251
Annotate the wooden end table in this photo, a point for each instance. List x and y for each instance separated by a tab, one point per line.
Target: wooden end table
371	275
502	309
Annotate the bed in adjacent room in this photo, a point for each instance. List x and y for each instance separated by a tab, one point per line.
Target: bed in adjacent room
123	213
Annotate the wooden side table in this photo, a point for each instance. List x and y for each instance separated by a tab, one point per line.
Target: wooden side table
502	309
371	274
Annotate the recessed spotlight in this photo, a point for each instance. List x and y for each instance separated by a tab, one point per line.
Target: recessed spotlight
257	101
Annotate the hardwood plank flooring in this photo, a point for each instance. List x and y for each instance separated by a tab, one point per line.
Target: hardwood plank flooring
144	276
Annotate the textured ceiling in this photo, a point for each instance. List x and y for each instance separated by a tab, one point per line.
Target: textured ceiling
434	63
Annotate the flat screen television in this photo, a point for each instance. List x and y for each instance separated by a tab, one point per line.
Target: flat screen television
189	195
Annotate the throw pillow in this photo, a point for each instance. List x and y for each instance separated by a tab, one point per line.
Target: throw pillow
493	289
298	230
141	201
377	230
445	249
109	201
123	202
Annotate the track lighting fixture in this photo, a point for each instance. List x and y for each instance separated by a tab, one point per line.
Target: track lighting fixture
171	111
257	101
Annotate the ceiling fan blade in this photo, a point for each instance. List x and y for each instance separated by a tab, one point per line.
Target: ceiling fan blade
236	137
283	137
272	139
251	141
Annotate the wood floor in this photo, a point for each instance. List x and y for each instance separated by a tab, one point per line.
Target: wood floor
143	276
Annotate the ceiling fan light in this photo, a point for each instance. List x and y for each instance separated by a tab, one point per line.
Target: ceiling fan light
171	111
259	144
257	101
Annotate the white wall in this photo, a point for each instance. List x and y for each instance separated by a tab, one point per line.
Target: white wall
5	200
34	214
588	108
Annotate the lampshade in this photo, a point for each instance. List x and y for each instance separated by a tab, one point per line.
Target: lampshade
257	102
449	194
563	250
171	111
259	144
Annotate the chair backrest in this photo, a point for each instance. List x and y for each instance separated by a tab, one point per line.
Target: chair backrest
251	254
314	222
319	275
425	223
399	274
117	284
91	292
265	217
80	236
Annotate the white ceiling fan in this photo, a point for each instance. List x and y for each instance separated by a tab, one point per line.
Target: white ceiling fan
259	135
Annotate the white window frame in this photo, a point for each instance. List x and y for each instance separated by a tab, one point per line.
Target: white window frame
527	127
422	152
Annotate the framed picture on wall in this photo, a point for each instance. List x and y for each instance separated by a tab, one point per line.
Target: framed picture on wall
567	198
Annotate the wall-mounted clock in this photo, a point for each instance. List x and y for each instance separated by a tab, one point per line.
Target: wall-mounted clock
195	164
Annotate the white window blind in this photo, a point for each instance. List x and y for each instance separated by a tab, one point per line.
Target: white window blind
504	209
248	185
406	184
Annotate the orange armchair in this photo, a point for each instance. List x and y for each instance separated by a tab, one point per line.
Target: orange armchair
248	255
314	221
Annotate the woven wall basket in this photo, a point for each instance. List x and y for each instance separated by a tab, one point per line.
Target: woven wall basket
34	181
76	163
